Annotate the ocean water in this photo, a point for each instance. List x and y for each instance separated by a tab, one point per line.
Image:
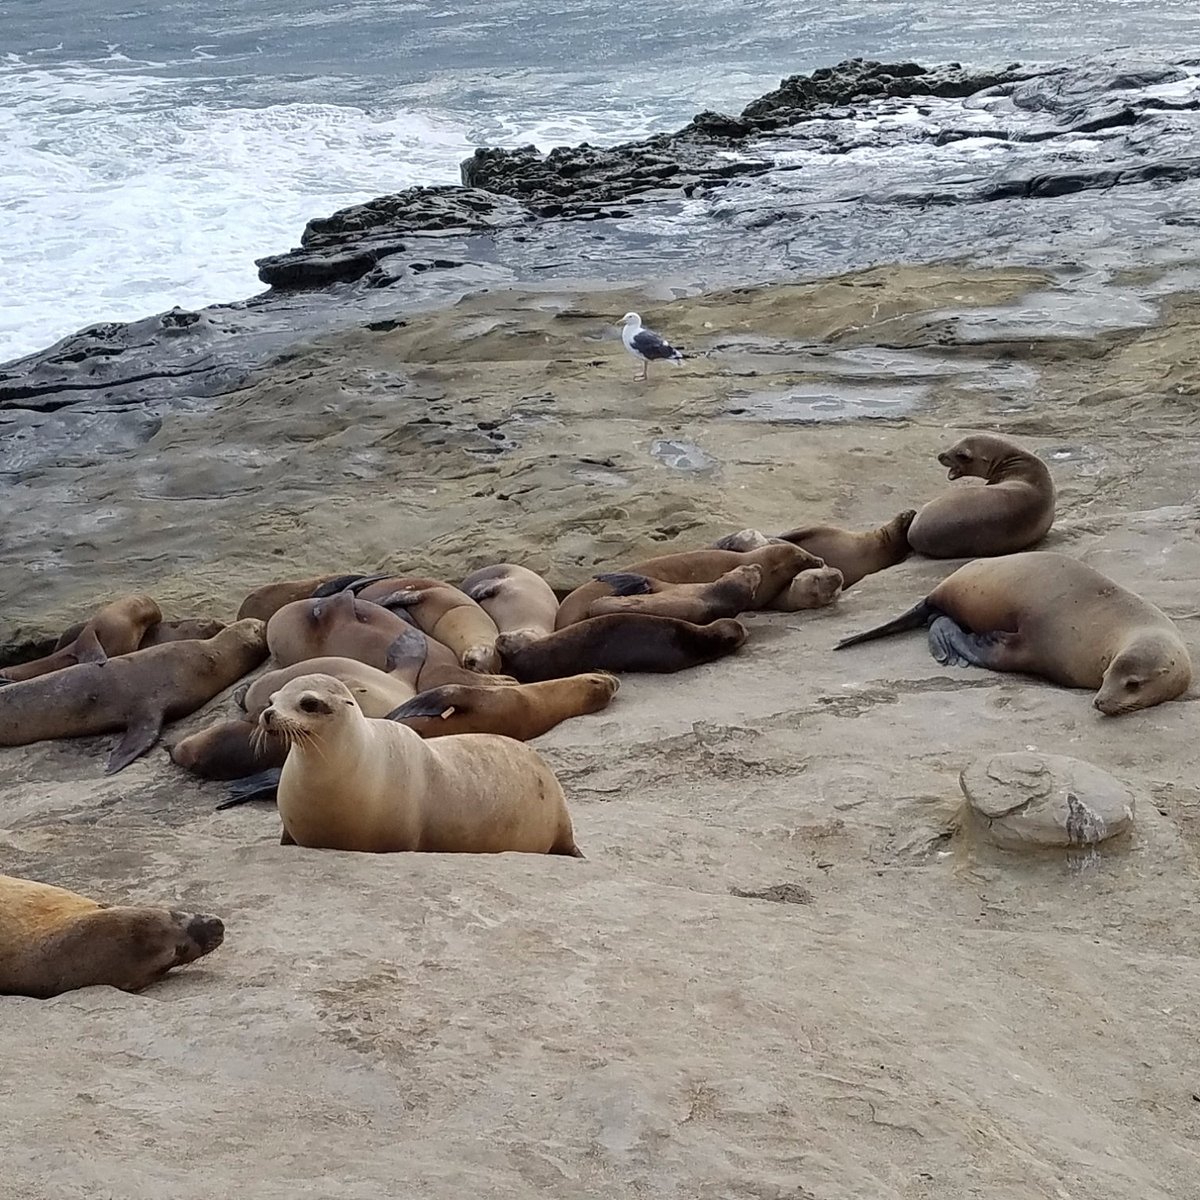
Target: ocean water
152	151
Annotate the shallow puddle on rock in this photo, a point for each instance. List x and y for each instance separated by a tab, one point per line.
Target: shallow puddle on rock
600	476
810	403
682	456
1087	460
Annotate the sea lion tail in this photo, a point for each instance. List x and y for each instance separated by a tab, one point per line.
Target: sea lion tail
262	786
920	614
625	583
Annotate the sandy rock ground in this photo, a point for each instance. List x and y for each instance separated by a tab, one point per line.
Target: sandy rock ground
784	971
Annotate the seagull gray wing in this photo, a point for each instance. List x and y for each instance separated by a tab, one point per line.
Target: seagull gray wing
649	345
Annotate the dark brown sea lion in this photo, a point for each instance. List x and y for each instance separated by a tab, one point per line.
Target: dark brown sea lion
135	692
54	941
116	629
780	565
1046	614
229	750
1013	511
621	642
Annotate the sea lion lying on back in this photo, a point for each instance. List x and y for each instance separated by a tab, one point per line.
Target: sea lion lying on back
1013	511
520	602
1049	615
780	565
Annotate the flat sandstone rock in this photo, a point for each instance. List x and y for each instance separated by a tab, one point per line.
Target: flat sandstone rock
1029	799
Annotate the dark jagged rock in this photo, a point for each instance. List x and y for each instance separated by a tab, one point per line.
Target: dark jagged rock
352	242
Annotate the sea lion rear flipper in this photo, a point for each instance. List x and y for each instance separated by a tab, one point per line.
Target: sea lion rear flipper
432	703
484	590
262	786
920	614
402	598
141	732
341	583
954	646
626	583
88	648
411	646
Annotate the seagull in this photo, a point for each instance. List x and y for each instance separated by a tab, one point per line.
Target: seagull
646	344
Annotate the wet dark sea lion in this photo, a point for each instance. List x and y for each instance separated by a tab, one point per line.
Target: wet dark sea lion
1046	614
135	692
1013	511
54	941
621	642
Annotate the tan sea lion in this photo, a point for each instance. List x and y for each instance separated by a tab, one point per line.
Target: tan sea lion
520	602
444	613
135	692
523	712
855	554
353	783
266	601
116	629
1045	614
229	750
732	593
1012	511
340	626
54	941
184	630
621	642
780	564
376	692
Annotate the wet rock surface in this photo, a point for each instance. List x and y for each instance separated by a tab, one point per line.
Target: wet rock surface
1027	800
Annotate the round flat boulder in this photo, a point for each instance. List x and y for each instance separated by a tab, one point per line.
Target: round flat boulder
1025	800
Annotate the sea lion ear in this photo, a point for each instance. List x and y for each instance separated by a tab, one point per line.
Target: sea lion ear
310	703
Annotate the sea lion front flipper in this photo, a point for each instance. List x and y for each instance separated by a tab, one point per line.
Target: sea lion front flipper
410	647
954	646
286	839
262	786
431	703
141	732
88	649
626	583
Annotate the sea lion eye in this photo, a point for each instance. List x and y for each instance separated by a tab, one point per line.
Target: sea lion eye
1132	685
310	704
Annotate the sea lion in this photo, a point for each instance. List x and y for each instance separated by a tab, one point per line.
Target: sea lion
520	602
621	642
116	629
376	692
1045	614
184	630
444	613
854	553
135	692
266	601
353	783
780	563
523	712
229	750
53	941
340	626
1012	511
733	593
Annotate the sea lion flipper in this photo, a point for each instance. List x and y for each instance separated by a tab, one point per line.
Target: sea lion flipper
88	648
954	646
484	590
262	786
431	703
286	839
410	646
141	732
401	598
341	583
920	614
626	583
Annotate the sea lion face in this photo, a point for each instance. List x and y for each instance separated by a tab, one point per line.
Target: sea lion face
732	633
484	659
1144	674
897	528
306	705
961	460
815	588
149	942
249	632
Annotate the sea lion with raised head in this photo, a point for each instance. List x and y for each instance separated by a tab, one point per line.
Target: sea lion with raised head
621	642
116	629
377	692
732	593
266	601
353	783
340	626
443	612
522	712
1045	614
135	692
1011	512
780	565
520	602
54	941
854	553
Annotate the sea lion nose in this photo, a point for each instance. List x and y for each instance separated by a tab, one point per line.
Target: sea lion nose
208	932
267	717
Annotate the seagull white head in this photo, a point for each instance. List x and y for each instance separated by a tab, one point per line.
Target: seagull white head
631	319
